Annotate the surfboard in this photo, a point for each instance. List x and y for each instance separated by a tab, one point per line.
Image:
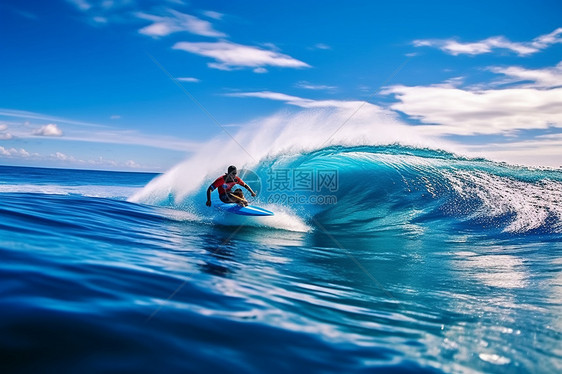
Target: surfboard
249	210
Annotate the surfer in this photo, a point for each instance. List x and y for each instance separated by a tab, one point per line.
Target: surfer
225	183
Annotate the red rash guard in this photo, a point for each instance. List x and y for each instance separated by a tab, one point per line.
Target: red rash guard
225	187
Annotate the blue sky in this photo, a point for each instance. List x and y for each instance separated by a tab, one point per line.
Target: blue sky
141	85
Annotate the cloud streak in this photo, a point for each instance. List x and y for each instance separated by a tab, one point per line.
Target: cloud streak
229	56
454	47
129	137
537	78
177	22
309	86
188	79
214	15
303	102
14	113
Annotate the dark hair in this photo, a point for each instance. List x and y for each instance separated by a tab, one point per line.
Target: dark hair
232	169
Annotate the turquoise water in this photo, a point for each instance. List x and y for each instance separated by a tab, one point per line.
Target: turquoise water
424	262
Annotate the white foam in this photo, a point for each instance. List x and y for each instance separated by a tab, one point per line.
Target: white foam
180	215
114	192
530	203
283	219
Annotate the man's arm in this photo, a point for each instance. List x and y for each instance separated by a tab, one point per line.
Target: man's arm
209	190
249	189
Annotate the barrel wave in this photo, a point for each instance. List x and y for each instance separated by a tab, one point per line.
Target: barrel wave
394	187
380	188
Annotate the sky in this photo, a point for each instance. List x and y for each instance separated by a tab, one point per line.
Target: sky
142	85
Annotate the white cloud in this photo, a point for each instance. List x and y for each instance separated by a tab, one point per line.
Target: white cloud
535	103
310	86
450	110
452	82
310	103
454	47
271	96
321	46
63	157
13	152
115	116
544	41
66	159
48	130
177	22
214	15
188	79
100	161
132	164
158	29
82	5
544	150
539	78
5	136
229	55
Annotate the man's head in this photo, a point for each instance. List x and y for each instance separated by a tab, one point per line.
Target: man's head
232	171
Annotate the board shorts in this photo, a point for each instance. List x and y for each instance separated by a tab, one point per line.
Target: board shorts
225	198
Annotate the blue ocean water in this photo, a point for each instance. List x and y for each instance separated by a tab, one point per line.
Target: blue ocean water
399	260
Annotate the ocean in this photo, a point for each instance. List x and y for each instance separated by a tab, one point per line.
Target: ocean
378	259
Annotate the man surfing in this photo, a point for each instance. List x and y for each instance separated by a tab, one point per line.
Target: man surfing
225	184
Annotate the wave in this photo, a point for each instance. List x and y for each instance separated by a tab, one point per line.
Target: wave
101	191
369	189
390	176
